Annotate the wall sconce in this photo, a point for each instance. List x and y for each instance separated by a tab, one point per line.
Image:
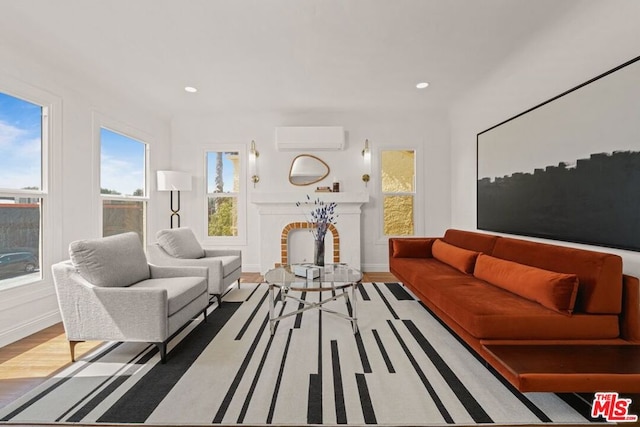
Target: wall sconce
174	181
366	155
253	163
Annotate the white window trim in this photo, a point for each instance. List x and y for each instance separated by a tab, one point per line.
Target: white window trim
102	121
418	202
51	178
241	238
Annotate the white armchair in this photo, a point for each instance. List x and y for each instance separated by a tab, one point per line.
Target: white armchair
179	247
109	292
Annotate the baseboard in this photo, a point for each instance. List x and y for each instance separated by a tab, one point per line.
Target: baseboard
251	268
375	268
24	330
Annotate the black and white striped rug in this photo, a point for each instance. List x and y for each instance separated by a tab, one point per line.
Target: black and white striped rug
403	368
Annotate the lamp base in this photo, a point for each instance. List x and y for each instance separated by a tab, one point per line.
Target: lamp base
174	211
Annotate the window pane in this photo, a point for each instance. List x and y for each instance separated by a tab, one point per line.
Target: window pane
20	144
398	170
122	164
223	172
398	215
223	216
19	237
120	216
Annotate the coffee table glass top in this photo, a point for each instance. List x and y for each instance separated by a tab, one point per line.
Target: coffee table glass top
331	276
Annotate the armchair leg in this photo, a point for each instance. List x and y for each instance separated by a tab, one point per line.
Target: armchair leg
72	349
162	348
238	283
219	297
204	312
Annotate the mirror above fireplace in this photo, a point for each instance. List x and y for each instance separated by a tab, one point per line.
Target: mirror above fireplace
307	169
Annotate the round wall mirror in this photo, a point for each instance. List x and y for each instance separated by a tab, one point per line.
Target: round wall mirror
307	169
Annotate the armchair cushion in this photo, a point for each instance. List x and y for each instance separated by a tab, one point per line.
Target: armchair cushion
230	263
180	243
180	290
113	261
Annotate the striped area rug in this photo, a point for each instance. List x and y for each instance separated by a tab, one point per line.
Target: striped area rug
403	368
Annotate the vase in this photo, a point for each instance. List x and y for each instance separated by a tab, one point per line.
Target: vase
318	252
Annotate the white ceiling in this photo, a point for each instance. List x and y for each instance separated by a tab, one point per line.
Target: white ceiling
278	55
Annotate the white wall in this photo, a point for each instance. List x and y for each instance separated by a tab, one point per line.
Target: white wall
74	192
426	132
591	41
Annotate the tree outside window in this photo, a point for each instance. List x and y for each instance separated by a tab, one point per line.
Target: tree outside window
223	182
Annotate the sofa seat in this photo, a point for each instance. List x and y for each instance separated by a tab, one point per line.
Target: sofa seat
180	291
489	312
429	270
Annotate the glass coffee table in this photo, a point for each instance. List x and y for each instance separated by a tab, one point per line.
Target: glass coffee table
330	277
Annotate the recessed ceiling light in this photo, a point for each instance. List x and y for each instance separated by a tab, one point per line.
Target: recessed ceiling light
190	89
422	85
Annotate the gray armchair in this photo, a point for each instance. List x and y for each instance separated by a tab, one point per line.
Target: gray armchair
108	292
179	247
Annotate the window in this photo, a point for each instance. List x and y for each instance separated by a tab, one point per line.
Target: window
398	192
223	190
123	162
23	134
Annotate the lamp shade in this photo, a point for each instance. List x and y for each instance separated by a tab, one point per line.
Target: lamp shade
173	181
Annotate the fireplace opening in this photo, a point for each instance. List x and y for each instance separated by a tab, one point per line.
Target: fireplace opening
296	243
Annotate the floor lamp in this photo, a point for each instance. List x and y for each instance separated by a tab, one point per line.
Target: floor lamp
174	181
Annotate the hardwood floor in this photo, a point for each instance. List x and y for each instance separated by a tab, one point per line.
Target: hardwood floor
29	362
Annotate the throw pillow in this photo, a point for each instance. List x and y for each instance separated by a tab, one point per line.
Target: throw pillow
180	243
458	258
110	261
556	291
412	248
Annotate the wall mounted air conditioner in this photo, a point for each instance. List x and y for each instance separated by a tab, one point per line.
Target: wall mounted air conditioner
309	138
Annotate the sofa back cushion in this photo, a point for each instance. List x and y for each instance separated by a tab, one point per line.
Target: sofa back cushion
112	261
180	243
477	242
412	248
556	291
458	258
600	274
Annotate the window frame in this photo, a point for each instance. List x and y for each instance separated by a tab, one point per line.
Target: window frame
50	177
101	122
241	196
418	226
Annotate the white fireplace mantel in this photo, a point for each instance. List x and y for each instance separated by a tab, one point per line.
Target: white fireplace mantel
277	210
293	197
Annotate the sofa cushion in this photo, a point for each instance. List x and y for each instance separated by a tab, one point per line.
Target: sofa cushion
412	248
556	291
458	258
230	263
600	274
180	243
180	290
110	261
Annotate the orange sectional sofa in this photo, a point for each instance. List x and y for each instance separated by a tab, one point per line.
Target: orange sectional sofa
494	290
